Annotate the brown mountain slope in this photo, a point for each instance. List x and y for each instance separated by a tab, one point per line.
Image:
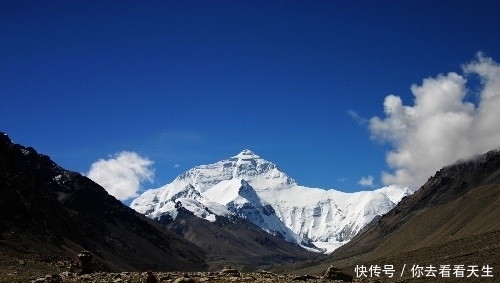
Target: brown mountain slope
236	242
452	219
47	212
458	201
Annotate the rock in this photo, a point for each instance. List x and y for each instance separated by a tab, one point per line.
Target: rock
184	279
67	274
72	268
165	277
304	277
263	272
333	273
85	258
49	279
85	277
230	271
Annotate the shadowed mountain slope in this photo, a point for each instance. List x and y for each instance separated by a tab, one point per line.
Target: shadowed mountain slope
47	210
235	241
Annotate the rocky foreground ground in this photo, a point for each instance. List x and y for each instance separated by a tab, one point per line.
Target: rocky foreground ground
225	275
34	268
136	277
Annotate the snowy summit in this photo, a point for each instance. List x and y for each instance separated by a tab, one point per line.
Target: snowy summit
253	188
247	153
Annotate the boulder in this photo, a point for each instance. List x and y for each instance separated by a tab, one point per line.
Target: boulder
184	279
85	258
230	271
333	273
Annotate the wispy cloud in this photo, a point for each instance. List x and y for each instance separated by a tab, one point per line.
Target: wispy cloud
441	127
366	181
122	174
360	120
177	166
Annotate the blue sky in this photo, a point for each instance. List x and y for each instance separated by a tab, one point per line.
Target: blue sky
184	83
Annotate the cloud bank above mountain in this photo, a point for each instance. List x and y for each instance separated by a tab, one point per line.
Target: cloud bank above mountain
444	124
122	174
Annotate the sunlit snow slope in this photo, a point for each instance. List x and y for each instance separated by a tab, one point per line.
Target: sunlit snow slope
250	187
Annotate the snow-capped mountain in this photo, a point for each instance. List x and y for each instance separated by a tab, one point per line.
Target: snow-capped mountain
166	200
250	187
241	199
246	165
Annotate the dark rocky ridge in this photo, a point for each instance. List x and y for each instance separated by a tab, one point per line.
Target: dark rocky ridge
47	210
235	241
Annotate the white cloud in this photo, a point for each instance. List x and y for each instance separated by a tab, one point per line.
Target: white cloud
366	181
122	174
177	166
441	127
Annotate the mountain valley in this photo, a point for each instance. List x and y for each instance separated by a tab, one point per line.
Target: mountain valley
245	212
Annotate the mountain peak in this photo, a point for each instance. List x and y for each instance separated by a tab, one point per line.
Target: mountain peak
247	153
257	190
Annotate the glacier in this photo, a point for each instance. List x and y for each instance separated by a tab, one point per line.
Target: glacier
253	188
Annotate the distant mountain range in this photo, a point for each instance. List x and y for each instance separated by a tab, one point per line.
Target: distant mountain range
248	187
